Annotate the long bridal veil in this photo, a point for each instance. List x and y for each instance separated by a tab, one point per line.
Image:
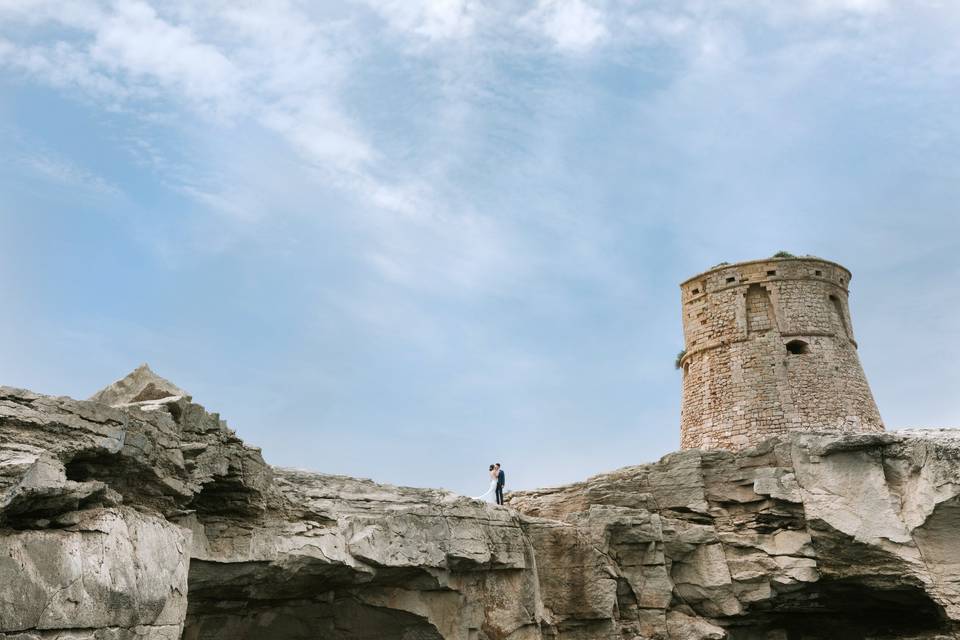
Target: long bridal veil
493	487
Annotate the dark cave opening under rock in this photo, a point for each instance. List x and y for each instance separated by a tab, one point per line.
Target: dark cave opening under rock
226	495
339	618
135	480
310	601
847	609
106	466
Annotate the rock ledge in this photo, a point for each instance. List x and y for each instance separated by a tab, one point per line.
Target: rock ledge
138	514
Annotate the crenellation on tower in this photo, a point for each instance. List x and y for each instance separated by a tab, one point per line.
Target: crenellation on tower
770	349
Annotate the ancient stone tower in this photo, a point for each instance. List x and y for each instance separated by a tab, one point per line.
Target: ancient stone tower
769	349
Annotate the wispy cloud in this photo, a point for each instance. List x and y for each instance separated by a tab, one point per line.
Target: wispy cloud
272	68
430	19
297	76
572	25
39	161
66	173
137	47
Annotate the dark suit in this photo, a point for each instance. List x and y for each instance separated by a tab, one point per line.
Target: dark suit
501	480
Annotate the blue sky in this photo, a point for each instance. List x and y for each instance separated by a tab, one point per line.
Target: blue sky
404	239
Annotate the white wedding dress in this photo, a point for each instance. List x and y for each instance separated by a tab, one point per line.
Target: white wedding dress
490	492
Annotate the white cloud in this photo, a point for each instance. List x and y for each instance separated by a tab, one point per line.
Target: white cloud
286	71
54	167
271	66
430	19
134	43
236	204
320	133
65	172
451	253
64	66
852	6
274	67
572	25
79	13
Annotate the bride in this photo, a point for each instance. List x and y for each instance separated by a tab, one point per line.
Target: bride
493	485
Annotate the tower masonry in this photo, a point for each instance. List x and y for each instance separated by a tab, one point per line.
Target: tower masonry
770	349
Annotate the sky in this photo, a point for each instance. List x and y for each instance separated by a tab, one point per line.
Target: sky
403	239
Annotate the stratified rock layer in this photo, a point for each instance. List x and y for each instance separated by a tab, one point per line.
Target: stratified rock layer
152	520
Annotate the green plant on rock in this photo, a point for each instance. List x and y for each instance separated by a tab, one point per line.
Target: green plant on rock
783	254
679	361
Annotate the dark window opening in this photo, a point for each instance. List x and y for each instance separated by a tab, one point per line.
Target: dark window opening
818	273
771	273
798	347
731	279
695	291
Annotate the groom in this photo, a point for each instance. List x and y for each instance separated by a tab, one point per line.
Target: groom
501	480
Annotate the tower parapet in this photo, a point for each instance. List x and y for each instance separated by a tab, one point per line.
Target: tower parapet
770	349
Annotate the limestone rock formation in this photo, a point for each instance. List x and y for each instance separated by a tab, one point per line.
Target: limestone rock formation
138	514
140	385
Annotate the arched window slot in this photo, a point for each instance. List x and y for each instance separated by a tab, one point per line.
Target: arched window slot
841	317
759	311
798	347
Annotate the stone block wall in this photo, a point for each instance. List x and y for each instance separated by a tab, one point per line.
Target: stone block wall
769	349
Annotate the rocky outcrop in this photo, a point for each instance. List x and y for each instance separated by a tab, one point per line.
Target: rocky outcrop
815	536
138	514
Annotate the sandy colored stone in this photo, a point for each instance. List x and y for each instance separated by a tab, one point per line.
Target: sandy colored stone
152	519
769	349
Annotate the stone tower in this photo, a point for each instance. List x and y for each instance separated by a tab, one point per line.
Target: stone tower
769	349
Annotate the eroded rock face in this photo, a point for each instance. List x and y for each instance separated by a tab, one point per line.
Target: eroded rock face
816	536
140	515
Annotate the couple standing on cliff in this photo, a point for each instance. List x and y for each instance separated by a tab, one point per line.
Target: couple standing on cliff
497	479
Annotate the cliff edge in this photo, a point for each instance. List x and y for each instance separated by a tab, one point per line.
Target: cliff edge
138	514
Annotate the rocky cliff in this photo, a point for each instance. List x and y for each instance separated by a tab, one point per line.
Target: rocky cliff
138	514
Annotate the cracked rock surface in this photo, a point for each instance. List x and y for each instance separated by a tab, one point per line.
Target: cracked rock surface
138	514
